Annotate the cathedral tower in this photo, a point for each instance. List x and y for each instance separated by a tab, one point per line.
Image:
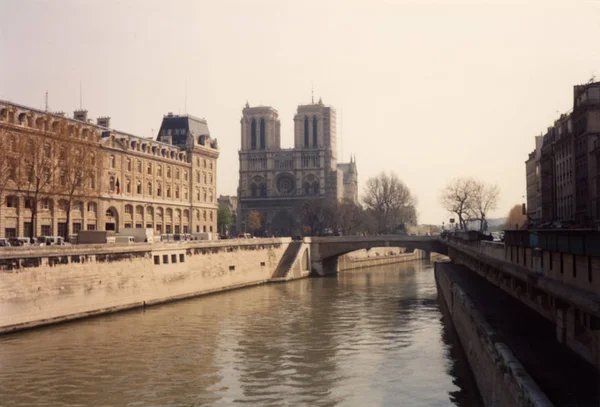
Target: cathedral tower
260	128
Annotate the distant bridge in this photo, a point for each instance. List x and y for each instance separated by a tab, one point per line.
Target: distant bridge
326	250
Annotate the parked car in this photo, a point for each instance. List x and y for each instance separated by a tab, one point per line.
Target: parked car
51	241
4	243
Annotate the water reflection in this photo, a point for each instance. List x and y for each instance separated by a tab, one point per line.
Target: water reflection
368	337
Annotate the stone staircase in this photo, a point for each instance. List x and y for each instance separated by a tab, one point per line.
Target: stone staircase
287	261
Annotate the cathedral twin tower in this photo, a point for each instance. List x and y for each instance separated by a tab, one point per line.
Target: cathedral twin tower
276	181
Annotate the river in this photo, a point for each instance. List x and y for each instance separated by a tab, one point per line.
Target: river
371	337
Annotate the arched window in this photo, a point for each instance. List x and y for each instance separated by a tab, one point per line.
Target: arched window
149	211
204	175
149	188
168	191
112	161
204	215
253	135
139	166
253	190
262	134
185	176
263	190
197	215
149	168
306	140
129	164
185	193
168	172
111	184
314	131
128	185
211	216
91	207
204	195
204	163
177	173
129	209
176	192
197	195
159	171
139	187
316	188
158	190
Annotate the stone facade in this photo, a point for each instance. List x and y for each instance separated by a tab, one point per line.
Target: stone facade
275	181
168	184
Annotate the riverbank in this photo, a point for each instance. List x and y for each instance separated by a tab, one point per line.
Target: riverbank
519	363
42	286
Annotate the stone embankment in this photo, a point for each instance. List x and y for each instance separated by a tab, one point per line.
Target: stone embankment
44	285
379	257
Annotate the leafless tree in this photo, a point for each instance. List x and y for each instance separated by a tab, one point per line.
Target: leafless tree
77	169
37	171
457	197
317	216
349	217
485	199
390	201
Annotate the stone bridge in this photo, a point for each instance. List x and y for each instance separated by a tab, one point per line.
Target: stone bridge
326	250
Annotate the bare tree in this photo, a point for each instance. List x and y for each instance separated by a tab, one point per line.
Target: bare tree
37	172
9	160
77	168
457	197
390	201
317	216
349	217
485	199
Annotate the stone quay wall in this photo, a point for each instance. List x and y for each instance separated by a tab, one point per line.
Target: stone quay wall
40	286
502	380
379	257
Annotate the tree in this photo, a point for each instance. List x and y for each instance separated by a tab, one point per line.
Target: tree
390	202
515	218
77	167
37	172
318	215
223	218
349	217
254	221
484	200
457	197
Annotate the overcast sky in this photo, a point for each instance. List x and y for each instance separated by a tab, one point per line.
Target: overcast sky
429	89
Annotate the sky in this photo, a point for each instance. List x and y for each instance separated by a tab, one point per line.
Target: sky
431	90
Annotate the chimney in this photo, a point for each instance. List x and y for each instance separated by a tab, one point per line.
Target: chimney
80	115
103	121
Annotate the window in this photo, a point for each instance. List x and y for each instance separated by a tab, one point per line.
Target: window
11	202
176	192
165	259
112	161
91	207
45	203
253	190
314	131
262	134
177	173
198	177
204	195
204	215
185	176
111	184
168	172
128	185
210	179
149	169
139	187
185	193
204	162
181	258
128	225
129	209
46	230
139	166
92	181
177	229
158	190
210	196
173	258
157	260
253	135
28	203
211	228
211	216
76	227
197	194
210	165
91	226
159	170
10	232
168	191
204	176
128	164
47	150
139	210
306	140
149	188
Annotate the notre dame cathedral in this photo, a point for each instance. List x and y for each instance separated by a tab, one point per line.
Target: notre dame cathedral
276	181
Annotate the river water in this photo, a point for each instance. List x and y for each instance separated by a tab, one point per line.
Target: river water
372	337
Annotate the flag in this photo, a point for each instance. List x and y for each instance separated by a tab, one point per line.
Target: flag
118	187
